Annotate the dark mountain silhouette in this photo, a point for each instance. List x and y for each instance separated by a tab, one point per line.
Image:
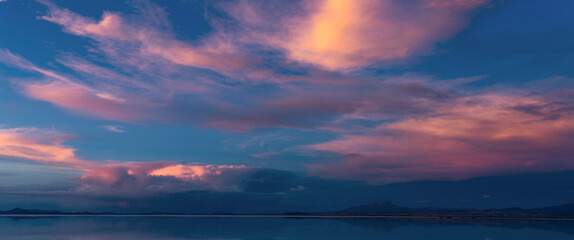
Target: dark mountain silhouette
566	209
377	207
29	211
372	209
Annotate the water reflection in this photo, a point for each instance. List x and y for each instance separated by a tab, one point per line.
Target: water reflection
180	227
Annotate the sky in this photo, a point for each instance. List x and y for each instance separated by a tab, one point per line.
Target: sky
269	106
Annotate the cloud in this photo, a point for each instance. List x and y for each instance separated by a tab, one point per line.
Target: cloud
146	40
113	128
323	106
132	178
474	136
37	145
248	74
331	34
151	79
11	59
68	93
82	99
102	93
343	34
221	177
427	128
137	178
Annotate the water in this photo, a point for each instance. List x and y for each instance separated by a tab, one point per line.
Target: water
187	227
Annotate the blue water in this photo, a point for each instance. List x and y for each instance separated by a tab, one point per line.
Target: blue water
180	227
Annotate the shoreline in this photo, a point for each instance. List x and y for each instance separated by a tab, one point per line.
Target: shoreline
390	217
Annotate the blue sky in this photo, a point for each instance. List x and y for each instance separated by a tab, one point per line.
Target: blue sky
292	103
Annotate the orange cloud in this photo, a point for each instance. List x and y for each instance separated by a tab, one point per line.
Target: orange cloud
193	172
341	34
218	177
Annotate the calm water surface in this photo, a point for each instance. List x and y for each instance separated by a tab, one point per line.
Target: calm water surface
179	227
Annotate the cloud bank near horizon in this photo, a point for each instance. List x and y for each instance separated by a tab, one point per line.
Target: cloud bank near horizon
122	178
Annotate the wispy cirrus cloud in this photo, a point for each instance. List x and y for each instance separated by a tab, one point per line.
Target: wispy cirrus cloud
82	99
38	145
146	39
69	93
110	95
153	79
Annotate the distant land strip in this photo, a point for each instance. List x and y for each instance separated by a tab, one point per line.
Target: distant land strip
374	210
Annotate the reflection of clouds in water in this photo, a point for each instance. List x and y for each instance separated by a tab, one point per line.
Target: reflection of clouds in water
206	227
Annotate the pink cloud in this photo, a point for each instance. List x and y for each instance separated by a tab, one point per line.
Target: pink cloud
112	174
107	100
37	145
151	177
110	26
119	178
343	34
311	105
151	55
106	94
82	99
217	177
332	34
11	59
476	136
429	136
148	41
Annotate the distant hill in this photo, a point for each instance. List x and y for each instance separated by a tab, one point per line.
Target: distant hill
30	211
377	207
566	210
